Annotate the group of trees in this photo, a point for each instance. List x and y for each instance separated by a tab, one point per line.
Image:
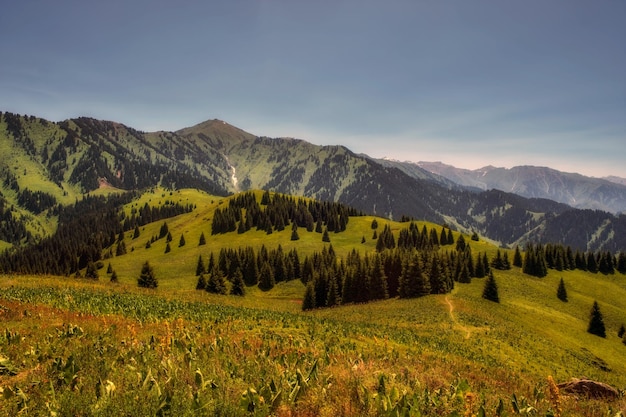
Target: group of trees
244	212
539	258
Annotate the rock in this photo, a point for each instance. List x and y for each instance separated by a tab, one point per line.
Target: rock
589	389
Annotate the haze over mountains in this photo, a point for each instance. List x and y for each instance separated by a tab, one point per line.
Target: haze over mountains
58	162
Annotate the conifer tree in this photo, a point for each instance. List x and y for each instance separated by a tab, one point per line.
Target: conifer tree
621	331
216	283
333	297
238	287
517	258
266	277
460	244
200	268
377	280
490	291
114	277
163	231
121	249
596	321
168	249
109	268
136	232
308	302
92	271
294	232
181	242
325	237
201	284
561	292
147	278
169	237
202	240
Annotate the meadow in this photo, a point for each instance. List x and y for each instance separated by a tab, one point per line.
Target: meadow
73	346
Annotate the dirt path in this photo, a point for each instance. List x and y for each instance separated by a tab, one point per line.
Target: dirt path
455	321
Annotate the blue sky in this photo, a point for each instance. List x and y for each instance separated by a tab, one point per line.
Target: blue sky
467	82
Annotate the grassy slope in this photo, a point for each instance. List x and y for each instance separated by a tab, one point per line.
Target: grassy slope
498	348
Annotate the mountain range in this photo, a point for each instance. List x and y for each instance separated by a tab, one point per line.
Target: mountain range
46	163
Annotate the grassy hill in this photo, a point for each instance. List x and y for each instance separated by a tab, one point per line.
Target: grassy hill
78	347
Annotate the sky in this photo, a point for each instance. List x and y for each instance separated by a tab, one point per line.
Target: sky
466	82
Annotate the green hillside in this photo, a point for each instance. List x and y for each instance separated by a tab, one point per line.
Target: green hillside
75	346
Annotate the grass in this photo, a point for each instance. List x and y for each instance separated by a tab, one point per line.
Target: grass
77	347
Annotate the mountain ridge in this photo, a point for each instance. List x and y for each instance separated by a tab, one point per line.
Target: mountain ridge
67	159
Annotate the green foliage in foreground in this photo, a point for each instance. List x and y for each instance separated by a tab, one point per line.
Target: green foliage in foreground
73	347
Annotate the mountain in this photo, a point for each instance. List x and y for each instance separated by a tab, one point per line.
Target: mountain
540	182
46	163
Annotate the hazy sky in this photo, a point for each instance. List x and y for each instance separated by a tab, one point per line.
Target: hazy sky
467	82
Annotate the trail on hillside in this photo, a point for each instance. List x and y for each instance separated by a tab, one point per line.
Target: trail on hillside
455	321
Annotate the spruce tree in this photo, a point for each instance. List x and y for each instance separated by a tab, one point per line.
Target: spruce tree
325	237
200	268
92	271
147	279
294	232
216	283
168	249
181	242
308	302
621	331
596	321
561	292
238	287
136	232
517	258
202	240
114	277
266	277
201	284
490	291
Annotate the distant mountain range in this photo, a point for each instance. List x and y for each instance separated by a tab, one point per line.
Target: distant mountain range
44	163
540	182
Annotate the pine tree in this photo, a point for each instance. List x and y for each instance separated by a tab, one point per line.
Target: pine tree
114	277
216	283
266	277
561	292
109	268
169	237
308	302
168	249
200	268
163	231
92	271
238	287
490	291
121	249
294	232
201	284
136	232
147	279
517	258
596	321
325	237
202	240
377	280
181	242
621	331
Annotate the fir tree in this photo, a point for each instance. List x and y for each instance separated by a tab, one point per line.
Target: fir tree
202	241
201	284
200	268
308	302
238	287
621	331
121	249
147	279
517	258
92	271
216	283
114	277
294	232
374	224
596	321
325	237
163	231
168	249
561	292
136	232
181	242
266	277
169	237
490	291
109	268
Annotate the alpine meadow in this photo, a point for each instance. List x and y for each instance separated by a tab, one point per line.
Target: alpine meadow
212	272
